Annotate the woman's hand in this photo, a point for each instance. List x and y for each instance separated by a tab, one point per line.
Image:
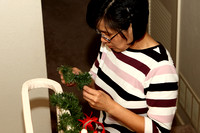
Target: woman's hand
101	101
75	70
98	99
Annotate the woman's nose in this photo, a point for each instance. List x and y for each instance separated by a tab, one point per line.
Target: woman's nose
103	40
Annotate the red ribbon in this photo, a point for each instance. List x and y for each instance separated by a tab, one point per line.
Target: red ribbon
87	123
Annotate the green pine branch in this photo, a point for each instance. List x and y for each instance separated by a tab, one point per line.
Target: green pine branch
82	79
68	101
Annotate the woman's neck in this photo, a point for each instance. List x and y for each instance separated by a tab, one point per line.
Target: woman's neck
146	42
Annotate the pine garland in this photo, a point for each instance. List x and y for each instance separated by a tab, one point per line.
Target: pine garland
68	101
82	79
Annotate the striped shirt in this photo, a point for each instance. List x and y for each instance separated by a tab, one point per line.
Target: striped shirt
143	81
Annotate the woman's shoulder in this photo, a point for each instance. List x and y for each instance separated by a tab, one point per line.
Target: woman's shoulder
157	53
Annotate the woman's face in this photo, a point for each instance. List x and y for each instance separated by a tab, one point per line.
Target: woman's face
114	40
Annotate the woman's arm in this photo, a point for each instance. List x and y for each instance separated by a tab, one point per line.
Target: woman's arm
128	118
101	101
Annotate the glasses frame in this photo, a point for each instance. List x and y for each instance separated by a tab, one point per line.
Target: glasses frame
107	39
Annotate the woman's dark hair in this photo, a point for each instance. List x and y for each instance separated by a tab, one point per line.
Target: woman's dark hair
119	14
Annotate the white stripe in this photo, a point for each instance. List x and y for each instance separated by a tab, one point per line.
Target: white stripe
112	130
162	63
94	69
118	99
148	125
101	117
126	67
164	111
145	59
110	120
122	83
162	95
164	125
166	78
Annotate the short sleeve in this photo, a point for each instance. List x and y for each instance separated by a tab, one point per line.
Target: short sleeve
161	90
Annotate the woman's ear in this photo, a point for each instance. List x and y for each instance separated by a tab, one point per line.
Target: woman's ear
130	32
130	29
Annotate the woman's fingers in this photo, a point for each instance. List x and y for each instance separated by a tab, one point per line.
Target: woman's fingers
63	80
76	71
94	97
60	72
88	93
97	99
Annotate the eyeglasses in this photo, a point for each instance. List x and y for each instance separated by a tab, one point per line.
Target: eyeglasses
107	39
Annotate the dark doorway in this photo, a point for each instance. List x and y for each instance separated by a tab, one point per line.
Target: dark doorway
68	41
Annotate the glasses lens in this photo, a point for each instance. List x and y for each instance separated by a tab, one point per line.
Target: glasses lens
107	39
98	32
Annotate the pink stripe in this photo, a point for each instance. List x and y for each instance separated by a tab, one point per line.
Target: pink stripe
133	62
162	119
93	75
167	69
125	76
103	56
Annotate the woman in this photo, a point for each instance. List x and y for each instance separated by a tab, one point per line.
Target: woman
135	81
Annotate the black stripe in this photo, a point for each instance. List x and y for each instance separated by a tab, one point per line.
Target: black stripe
155	55
115	126
123	94
100	55
162	87
162	129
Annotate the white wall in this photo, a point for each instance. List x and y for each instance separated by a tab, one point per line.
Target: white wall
189	62
186	38
190	43
22	57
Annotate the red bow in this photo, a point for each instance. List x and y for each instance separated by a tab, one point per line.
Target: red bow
87	123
